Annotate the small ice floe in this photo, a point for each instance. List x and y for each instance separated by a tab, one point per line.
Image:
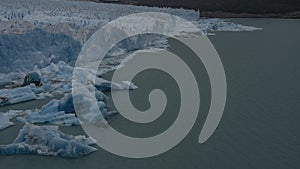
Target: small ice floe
48	141
104	85
17	95
5	121
55	112
62	112
91	109
128	85
6	117
56	78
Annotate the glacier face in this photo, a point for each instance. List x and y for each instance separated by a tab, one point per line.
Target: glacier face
49	141
80	19
36	47
38	32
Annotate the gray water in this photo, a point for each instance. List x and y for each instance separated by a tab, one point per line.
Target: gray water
260	125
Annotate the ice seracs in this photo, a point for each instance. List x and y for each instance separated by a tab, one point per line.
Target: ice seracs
49	141
64	26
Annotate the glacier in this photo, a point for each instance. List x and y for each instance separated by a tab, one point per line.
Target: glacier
48	141
79	19
70	24
35	34
46	37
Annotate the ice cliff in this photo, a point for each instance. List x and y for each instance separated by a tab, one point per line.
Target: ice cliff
38	33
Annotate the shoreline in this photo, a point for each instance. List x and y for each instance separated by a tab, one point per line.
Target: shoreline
221	14
208	12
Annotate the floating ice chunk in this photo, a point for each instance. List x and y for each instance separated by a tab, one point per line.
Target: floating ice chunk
44	95
66	104
49	141
100	96
128	85
89	111
5	121
110	114
35	89
6	117
62	112
58	118
17	95
104	85
50	114
85	140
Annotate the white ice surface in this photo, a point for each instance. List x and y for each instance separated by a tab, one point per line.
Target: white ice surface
49	141
51	115
17	95
79	19
6	117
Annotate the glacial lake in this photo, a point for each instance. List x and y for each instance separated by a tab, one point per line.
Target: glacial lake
260	124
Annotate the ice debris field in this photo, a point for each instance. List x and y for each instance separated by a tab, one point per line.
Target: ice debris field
39	43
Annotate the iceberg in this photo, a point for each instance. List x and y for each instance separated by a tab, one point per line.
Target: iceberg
5	122
55	79
17	95
89	111
62	112
51	114
48	141
6	117
87	90
128	85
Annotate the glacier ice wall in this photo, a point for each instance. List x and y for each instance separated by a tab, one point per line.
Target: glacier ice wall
38	32
46	37
36	48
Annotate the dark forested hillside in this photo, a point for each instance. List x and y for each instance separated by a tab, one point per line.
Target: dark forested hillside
230	8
